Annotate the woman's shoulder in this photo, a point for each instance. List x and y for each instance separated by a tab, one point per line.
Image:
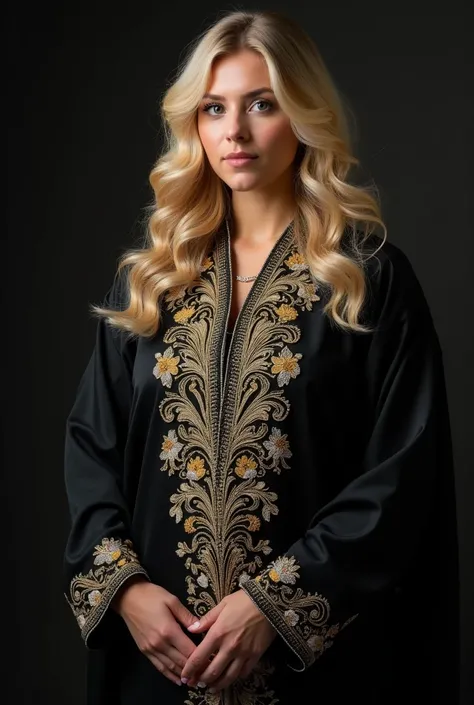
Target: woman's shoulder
118	293
393	285
117	298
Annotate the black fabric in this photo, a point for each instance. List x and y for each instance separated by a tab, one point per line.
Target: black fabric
326	460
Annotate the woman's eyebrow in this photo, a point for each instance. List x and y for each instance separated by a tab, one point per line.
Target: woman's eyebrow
250	94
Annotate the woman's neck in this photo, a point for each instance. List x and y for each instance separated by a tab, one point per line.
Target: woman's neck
258	218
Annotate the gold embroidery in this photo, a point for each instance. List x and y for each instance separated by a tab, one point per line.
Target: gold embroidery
246	692
196	469
189	525
307	292
184	314
301	618
296	262
90	594
286	366
207	264
246	467
286	313
223	446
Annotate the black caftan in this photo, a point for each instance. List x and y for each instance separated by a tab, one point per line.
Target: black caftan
310	467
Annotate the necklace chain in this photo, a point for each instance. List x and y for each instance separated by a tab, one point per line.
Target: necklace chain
246	279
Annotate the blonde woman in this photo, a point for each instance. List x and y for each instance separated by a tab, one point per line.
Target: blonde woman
253	456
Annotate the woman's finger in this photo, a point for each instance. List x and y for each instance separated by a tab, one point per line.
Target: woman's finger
168	663
199	660
247	668
180	641
160	666
173	655
232	672
215	668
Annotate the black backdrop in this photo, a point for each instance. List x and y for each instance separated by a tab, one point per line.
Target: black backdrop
84	85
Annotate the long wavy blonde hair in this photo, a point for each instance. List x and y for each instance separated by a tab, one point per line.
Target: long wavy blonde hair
191	201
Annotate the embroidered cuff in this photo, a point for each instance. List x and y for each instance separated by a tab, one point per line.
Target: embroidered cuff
91	594
300	618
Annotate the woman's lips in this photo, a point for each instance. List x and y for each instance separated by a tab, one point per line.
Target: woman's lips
240	161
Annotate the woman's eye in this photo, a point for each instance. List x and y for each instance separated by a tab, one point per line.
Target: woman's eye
208	107
265	103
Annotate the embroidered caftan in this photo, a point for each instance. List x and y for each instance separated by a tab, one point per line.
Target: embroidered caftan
308	466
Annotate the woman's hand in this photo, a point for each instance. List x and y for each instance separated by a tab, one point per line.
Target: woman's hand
151	614
238	635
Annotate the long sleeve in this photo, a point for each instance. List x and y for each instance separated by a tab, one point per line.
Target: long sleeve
360	544
99	555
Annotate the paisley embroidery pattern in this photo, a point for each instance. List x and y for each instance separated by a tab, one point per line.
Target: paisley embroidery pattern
90	594
222	458
301	618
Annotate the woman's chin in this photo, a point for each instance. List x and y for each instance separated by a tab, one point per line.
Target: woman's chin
243	182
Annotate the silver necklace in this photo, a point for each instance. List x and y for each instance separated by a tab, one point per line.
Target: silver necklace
246	279
238	276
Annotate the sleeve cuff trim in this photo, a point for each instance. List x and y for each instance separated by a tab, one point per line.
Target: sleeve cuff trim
274	616
96	614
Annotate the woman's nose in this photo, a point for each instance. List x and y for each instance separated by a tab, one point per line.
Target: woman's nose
236	127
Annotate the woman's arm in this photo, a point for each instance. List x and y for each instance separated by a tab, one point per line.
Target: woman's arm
100	555
358	546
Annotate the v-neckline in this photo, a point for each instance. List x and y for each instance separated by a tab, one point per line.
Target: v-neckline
227	348
225	259
255	283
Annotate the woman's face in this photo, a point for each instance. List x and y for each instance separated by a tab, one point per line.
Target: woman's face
239	113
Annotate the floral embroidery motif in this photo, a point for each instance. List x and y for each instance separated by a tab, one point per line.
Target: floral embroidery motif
278	449
170	450
196	469
166	366
246	468
189	525
90	594
296	262
243	577
203	581
291	618
286	366
108	552
184	314
286	313
283	570
304	616
307	292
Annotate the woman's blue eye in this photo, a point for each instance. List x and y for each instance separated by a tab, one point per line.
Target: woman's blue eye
267	102
208	106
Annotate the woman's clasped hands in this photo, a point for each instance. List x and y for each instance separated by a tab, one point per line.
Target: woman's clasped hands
237	636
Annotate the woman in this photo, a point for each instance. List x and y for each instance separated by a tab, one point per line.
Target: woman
259	441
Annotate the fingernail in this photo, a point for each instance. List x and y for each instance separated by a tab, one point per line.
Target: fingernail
201	684
194	626
184	680
178	683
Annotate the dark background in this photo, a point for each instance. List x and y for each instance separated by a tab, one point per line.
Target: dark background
82	107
